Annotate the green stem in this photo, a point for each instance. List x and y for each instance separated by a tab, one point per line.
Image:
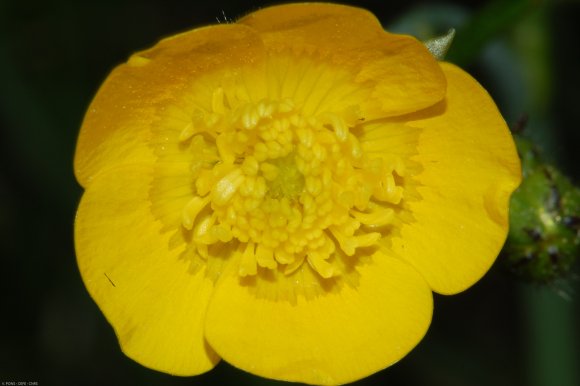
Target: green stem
552	336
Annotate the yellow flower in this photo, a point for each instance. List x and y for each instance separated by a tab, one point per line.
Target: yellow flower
285	192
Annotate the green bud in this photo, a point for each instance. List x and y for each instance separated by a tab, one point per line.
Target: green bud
544	237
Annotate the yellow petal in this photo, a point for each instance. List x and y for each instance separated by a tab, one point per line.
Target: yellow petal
470	168
404	76
340	336
155	304
117	127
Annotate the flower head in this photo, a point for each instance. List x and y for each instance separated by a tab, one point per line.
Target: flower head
285	192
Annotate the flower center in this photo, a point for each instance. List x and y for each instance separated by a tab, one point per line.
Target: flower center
286	180
281	183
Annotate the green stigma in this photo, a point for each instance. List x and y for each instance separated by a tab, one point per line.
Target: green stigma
289	182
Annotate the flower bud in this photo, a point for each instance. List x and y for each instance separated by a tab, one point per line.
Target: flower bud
544	236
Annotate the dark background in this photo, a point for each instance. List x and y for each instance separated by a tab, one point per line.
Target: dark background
53	57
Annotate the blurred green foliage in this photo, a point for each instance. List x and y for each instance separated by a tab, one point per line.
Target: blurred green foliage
55	53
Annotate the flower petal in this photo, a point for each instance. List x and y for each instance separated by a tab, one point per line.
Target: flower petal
117	127
470	168
338	337
403	74
155	304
